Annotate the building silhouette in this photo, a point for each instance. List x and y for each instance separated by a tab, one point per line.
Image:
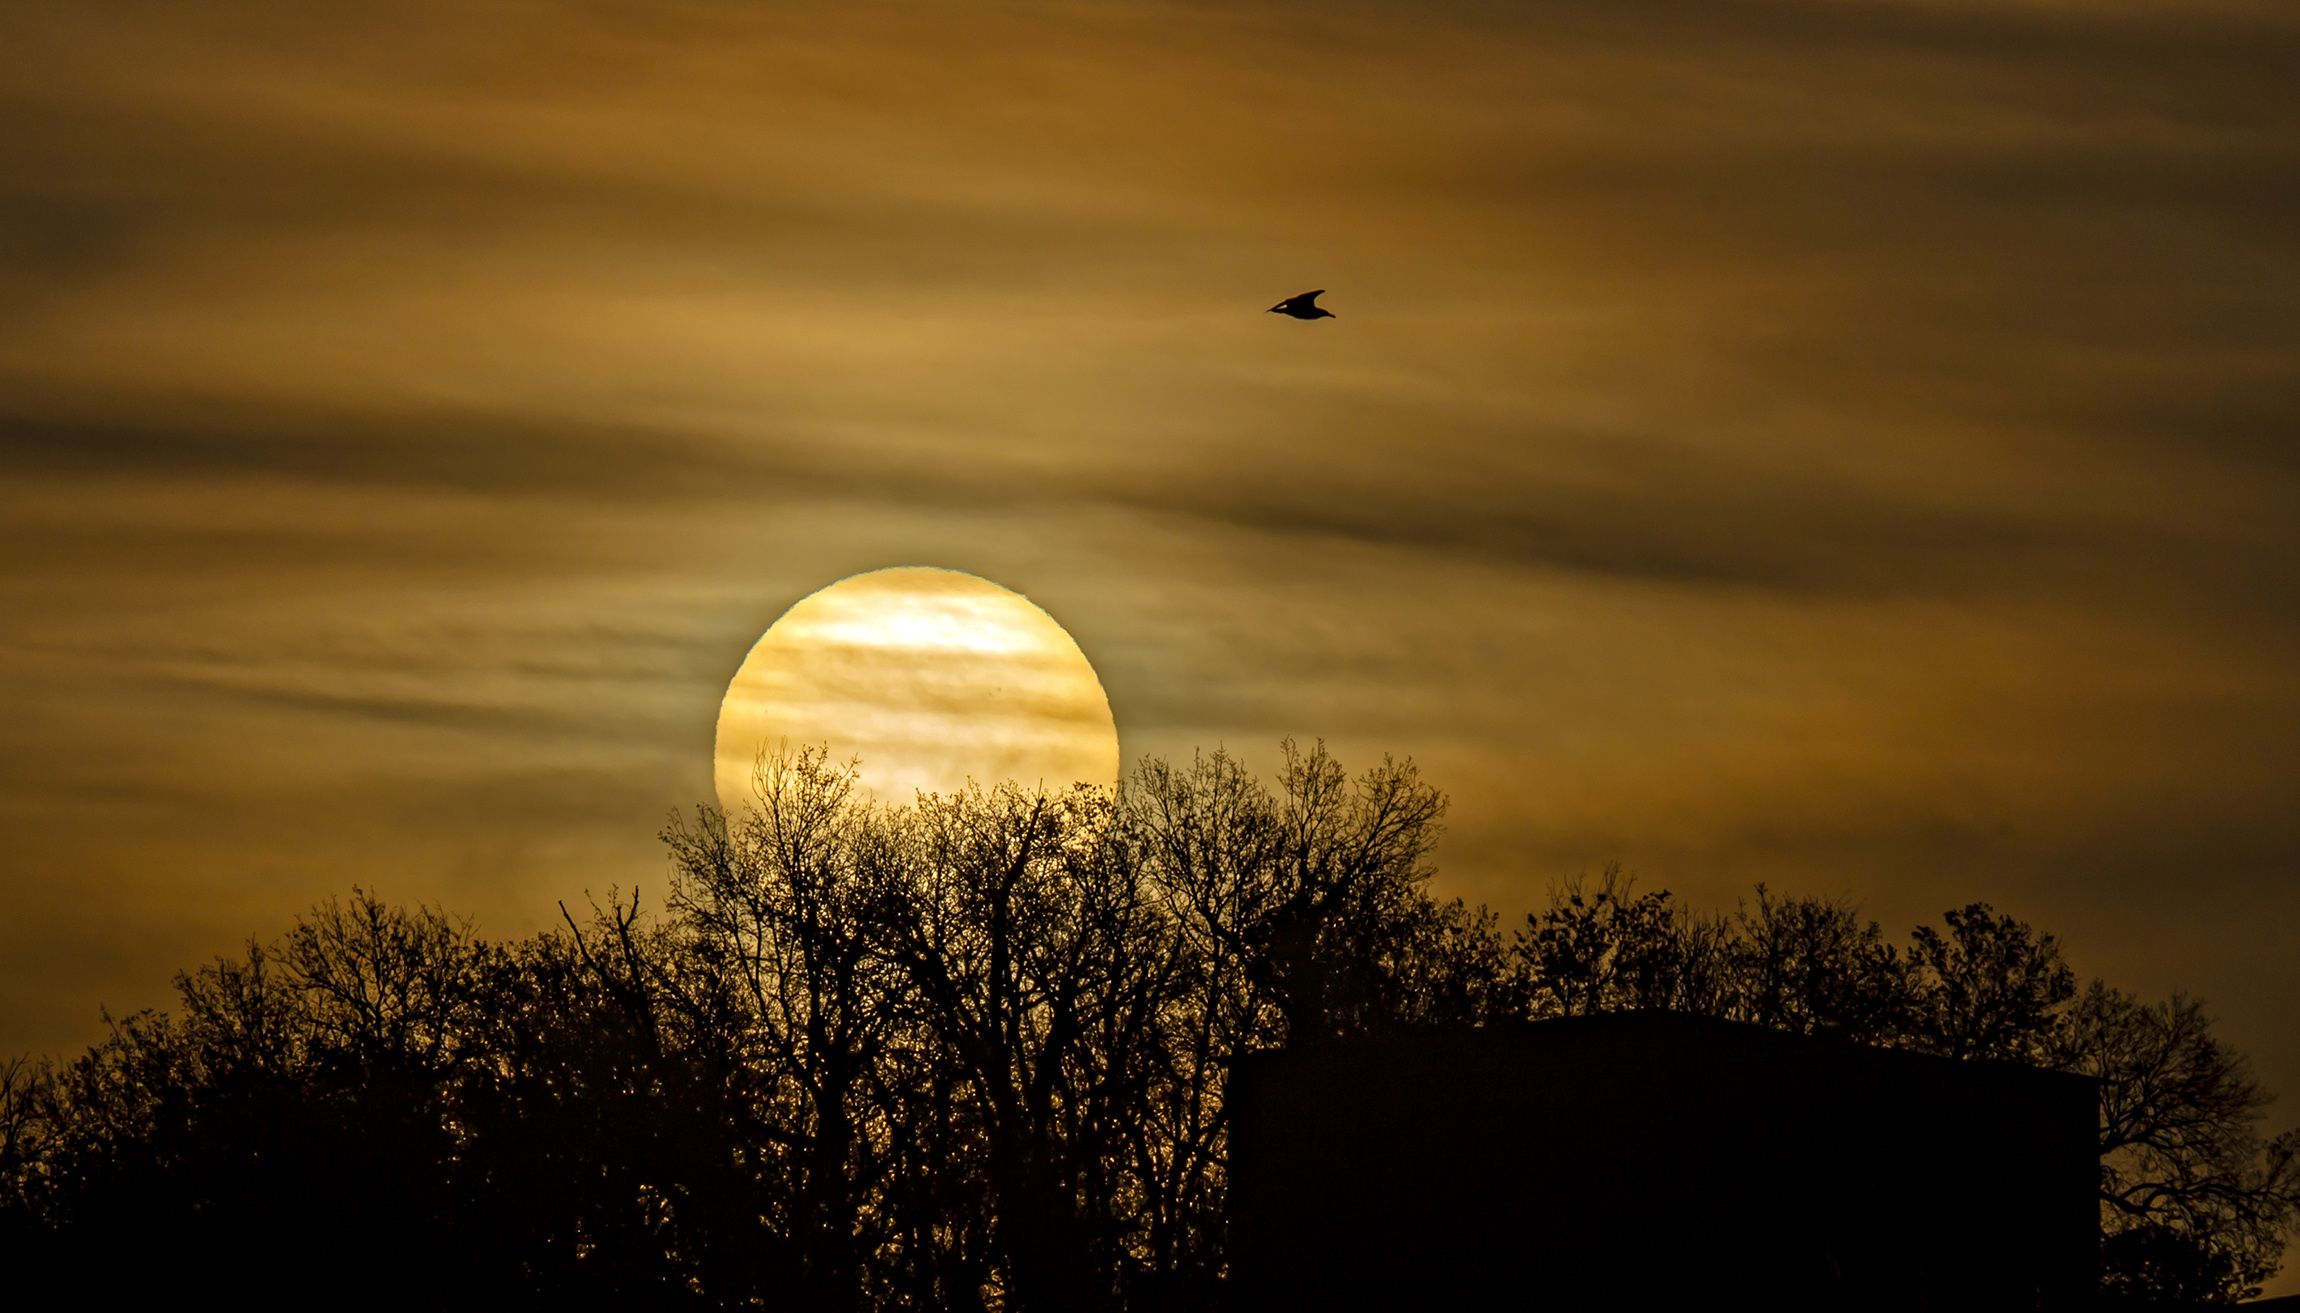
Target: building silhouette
1651	1161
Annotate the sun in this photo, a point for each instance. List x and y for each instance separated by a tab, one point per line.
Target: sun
931	677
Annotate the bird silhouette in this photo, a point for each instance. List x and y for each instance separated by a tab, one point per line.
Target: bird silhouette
1304	306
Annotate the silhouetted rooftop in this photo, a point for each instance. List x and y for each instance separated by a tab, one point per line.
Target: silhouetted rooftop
1657	1161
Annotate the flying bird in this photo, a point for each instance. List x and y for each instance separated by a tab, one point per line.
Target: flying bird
1304	306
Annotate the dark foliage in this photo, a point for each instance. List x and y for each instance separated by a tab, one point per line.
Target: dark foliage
970	1054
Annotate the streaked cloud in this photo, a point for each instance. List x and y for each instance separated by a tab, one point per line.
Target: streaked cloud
1849	445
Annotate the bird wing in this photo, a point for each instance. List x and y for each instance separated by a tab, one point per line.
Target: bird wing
1307	298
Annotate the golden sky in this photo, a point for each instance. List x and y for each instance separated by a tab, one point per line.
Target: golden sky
1849	445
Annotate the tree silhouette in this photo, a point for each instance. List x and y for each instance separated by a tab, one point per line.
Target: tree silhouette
975	1053
771	958
1986	987
2194	1204
1611	949
290	1117
1036	963
1814	967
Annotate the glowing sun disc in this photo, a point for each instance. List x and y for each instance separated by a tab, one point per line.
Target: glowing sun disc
931	677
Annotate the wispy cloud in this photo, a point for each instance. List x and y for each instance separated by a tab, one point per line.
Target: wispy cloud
1844	444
